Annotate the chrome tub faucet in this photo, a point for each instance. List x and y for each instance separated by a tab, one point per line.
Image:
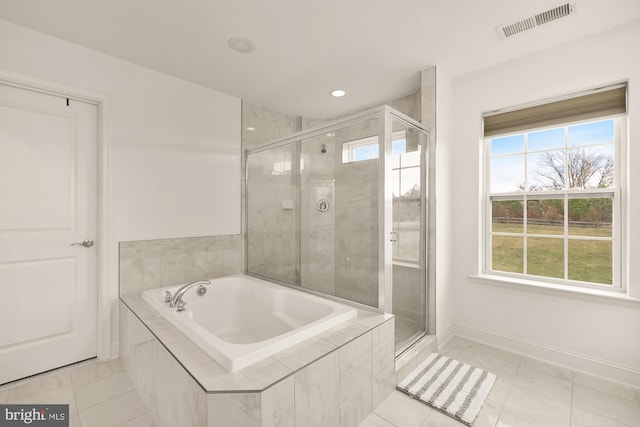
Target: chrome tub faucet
175	301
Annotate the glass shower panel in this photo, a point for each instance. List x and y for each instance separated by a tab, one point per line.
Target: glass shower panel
341	210
272	217
408	167
339	196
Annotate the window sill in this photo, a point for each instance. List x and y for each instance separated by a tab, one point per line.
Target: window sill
587	294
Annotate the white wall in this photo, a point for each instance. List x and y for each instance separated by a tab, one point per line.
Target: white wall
174	147
444	138
596	334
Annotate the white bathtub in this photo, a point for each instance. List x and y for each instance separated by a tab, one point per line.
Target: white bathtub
242	320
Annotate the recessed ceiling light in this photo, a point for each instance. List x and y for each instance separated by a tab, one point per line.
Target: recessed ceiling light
251	128
338	93
242	44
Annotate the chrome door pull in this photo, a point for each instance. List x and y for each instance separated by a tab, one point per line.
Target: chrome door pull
86	243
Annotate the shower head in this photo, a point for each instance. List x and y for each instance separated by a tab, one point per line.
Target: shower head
323	149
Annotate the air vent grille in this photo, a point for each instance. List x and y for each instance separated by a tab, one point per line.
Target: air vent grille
536	20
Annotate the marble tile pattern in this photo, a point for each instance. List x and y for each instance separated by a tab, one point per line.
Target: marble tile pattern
528	392
272	209
261	125
356	381
593	401
317	229
409	296
210	375
98	394
148	264
338	250
409	105
269	194
356	221
350	363
408	293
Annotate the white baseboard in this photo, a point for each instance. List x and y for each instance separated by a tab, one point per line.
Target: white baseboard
572	360
445	336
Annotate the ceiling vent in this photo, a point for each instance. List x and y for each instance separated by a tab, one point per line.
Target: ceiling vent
533	21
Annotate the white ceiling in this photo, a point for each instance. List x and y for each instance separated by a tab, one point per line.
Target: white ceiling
374	49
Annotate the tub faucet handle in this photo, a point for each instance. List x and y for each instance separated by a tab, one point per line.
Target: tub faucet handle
167	296
180	305
201	290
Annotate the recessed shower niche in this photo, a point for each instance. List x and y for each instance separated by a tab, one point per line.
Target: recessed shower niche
341	209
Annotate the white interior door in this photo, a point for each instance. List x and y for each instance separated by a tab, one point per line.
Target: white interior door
48	200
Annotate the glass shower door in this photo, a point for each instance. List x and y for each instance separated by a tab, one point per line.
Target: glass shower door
408	236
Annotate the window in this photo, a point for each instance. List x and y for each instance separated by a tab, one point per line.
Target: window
367	148
552	201
407	199
360	149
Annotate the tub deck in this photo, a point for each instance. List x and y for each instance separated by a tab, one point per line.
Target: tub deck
241	320
141	320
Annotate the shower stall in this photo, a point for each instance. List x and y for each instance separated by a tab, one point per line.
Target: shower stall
341	210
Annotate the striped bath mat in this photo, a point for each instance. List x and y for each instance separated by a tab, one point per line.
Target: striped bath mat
453	387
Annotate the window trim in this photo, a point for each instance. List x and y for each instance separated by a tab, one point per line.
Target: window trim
619	220
349	147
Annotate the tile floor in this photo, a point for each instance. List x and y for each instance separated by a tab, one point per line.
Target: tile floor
527	393
99	394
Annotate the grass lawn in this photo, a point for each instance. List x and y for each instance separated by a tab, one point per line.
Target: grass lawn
589	260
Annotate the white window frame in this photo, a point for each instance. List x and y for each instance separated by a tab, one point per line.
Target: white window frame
349	147
617	192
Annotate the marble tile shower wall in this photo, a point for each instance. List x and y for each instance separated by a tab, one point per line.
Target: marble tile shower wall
148	264
268	218
317	228
271	215
408	293
338	249
356	225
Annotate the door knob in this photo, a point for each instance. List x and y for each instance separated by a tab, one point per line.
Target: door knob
86	243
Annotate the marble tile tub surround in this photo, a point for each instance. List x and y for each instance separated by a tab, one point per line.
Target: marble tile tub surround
212	377
335	378
148	264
